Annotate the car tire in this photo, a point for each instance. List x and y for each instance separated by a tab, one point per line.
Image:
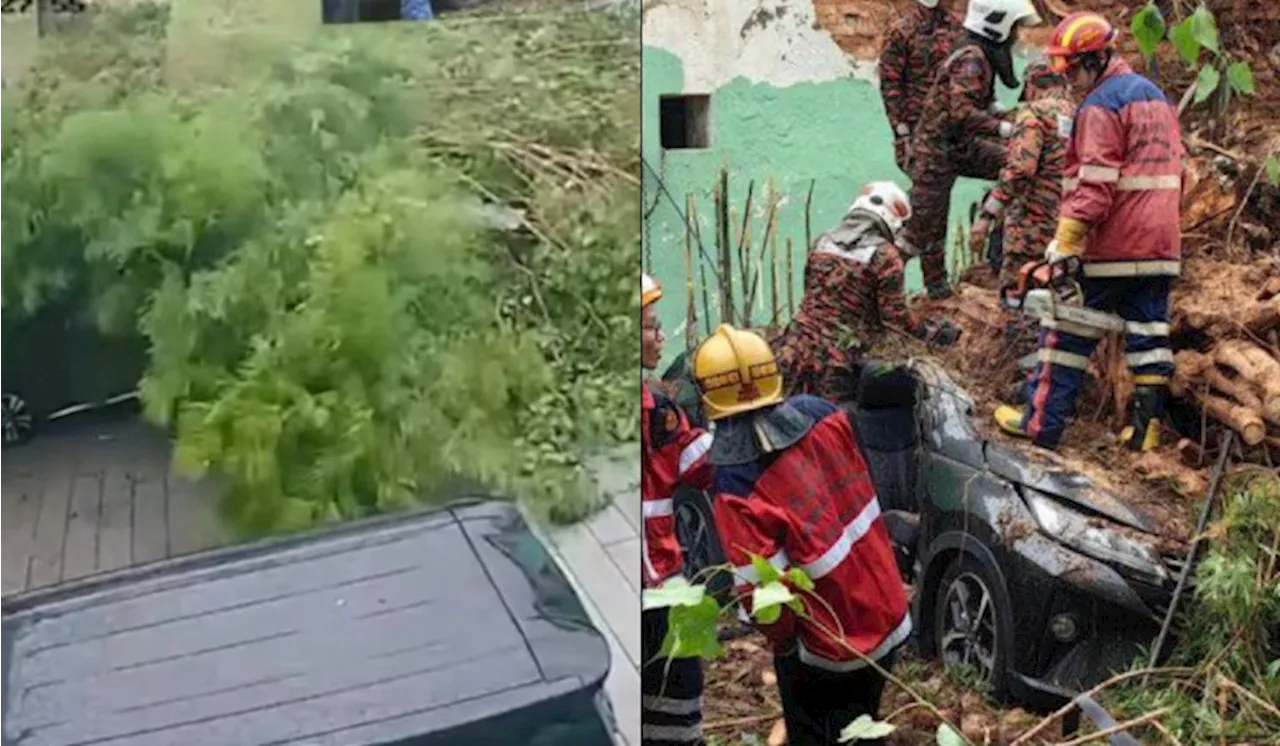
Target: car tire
700	542
18	422
983	634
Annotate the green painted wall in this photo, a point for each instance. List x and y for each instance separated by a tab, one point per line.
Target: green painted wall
834	133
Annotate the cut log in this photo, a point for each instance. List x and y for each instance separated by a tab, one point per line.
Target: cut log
1243	420
1236	388
1189	366
1253	364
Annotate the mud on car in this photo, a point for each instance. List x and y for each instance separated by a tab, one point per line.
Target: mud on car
1039	579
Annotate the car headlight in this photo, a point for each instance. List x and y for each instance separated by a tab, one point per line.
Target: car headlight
1076	530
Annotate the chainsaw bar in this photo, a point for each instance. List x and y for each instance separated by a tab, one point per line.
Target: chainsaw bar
1040	302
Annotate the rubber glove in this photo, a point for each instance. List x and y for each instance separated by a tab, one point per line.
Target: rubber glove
1068	240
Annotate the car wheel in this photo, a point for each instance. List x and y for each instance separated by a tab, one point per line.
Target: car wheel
700	542
972	622
18	422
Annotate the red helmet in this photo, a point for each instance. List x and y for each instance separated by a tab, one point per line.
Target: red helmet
1079	33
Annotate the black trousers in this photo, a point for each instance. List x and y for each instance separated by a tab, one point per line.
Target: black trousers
818	704
670	690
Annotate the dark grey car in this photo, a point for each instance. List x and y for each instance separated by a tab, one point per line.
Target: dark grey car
441	627
1030	573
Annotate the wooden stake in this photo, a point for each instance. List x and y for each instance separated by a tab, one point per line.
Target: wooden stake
744	252
791	280
773	277
724	249
691	308
808	216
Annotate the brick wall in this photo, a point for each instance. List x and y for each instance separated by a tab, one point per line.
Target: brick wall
858	25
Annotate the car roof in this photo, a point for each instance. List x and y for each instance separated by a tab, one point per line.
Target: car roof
368	634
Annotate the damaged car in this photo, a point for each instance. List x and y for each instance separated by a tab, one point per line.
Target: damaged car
1026	571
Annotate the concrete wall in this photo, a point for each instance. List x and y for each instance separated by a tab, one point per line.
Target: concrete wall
789	104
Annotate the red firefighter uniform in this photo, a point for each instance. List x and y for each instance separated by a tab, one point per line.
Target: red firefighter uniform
1120	217
913	49
673	453
792	488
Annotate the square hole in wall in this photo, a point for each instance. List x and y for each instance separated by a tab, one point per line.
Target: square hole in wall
372	11
685	121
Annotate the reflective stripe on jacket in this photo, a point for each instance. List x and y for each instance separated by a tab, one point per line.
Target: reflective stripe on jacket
1124	177
813	506
671	453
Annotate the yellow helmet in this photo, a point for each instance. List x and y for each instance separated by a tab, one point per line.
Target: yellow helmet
736	373
650	291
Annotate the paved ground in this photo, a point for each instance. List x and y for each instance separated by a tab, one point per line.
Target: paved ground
602	558
99	495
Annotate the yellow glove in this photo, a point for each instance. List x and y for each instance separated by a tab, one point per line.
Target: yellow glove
1068	241
1070	236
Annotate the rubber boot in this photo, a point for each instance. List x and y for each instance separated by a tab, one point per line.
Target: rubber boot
1145	411
1009	419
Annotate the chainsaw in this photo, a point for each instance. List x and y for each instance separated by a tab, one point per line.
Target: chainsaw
1050	291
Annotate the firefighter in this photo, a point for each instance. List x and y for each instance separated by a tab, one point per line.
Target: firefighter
791	486
853	290
1024	204
1026	198
672	453
1120	223
961	129
913	49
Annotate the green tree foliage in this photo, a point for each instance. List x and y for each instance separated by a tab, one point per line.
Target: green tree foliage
335	327
1191	37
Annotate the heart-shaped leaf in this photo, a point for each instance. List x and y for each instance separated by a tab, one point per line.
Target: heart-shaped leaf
1206	83
864	728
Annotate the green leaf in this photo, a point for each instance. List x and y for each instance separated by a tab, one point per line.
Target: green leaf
1273	669
1272	167
865	729
768	614
1204	29
947	736
1240	76
799	579
1148	29
1185	42
767	572
1206	83
675	592
691	631
767	601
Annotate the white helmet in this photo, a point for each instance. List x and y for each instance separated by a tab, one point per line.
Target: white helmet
995	19
885	200
928	3
650	291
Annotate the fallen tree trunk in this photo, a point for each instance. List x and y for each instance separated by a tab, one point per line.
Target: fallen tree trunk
1237	388
1243	420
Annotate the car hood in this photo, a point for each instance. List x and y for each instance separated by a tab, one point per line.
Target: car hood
1065	484
947	427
